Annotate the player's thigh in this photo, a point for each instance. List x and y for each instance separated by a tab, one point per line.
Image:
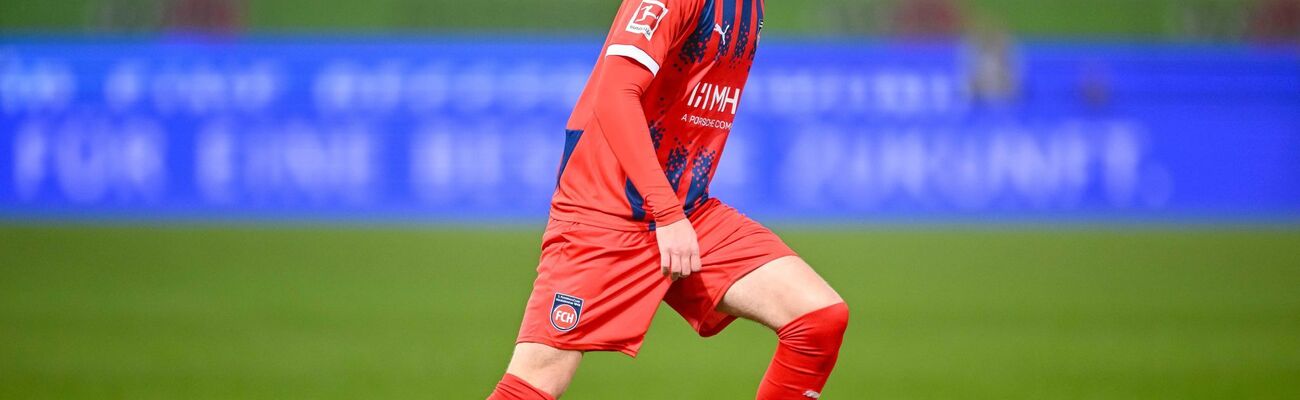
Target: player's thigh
545	367
779	292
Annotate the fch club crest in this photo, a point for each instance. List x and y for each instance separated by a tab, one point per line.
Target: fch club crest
566	310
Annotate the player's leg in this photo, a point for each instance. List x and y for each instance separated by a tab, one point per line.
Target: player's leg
537	372
808	316
749	272
778	293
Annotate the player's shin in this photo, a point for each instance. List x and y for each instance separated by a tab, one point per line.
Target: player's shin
806	354
513	388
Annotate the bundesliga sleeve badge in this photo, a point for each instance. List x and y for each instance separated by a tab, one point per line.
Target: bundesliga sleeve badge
566	310
646	18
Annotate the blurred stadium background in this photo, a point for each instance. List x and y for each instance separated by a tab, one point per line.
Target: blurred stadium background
1086	199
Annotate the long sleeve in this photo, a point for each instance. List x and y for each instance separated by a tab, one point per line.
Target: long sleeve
622	121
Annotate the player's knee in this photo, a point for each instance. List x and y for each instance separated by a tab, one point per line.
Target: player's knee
834	320
840	319
824	327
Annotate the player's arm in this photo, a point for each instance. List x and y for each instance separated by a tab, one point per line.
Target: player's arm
621	120
643	34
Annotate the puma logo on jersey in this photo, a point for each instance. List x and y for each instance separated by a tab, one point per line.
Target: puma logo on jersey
646	18
721	33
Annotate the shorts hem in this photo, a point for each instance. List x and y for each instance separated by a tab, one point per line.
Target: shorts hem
583	347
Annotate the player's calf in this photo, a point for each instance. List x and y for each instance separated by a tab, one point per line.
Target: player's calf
805	355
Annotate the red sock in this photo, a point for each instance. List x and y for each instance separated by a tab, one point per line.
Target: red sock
513	388
805	355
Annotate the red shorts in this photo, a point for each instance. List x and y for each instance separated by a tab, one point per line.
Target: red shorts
598	289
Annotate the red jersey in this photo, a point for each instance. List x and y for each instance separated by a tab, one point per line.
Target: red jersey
699	52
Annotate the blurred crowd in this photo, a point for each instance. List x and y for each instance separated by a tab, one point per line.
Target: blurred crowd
1254	20
210	16
1216	20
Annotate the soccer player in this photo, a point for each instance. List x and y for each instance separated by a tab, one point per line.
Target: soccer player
632	222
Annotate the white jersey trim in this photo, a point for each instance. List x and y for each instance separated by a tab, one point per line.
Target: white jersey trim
636	54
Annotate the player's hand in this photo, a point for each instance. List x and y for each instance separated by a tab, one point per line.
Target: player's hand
679	249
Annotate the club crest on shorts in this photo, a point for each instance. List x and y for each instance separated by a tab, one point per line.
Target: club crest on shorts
566	311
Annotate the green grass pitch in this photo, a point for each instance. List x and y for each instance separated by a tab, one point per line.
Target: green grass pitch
323	312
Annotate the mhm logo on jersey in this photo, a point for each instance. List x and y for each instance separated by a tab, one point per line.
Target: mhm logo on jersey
646	18
566	310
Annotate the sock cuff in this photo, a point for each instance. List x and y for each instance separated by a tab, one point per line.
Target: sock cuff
515	382
837	313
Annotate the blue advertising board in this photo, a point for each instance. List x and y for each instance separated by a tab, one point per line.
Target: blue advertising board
461	129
